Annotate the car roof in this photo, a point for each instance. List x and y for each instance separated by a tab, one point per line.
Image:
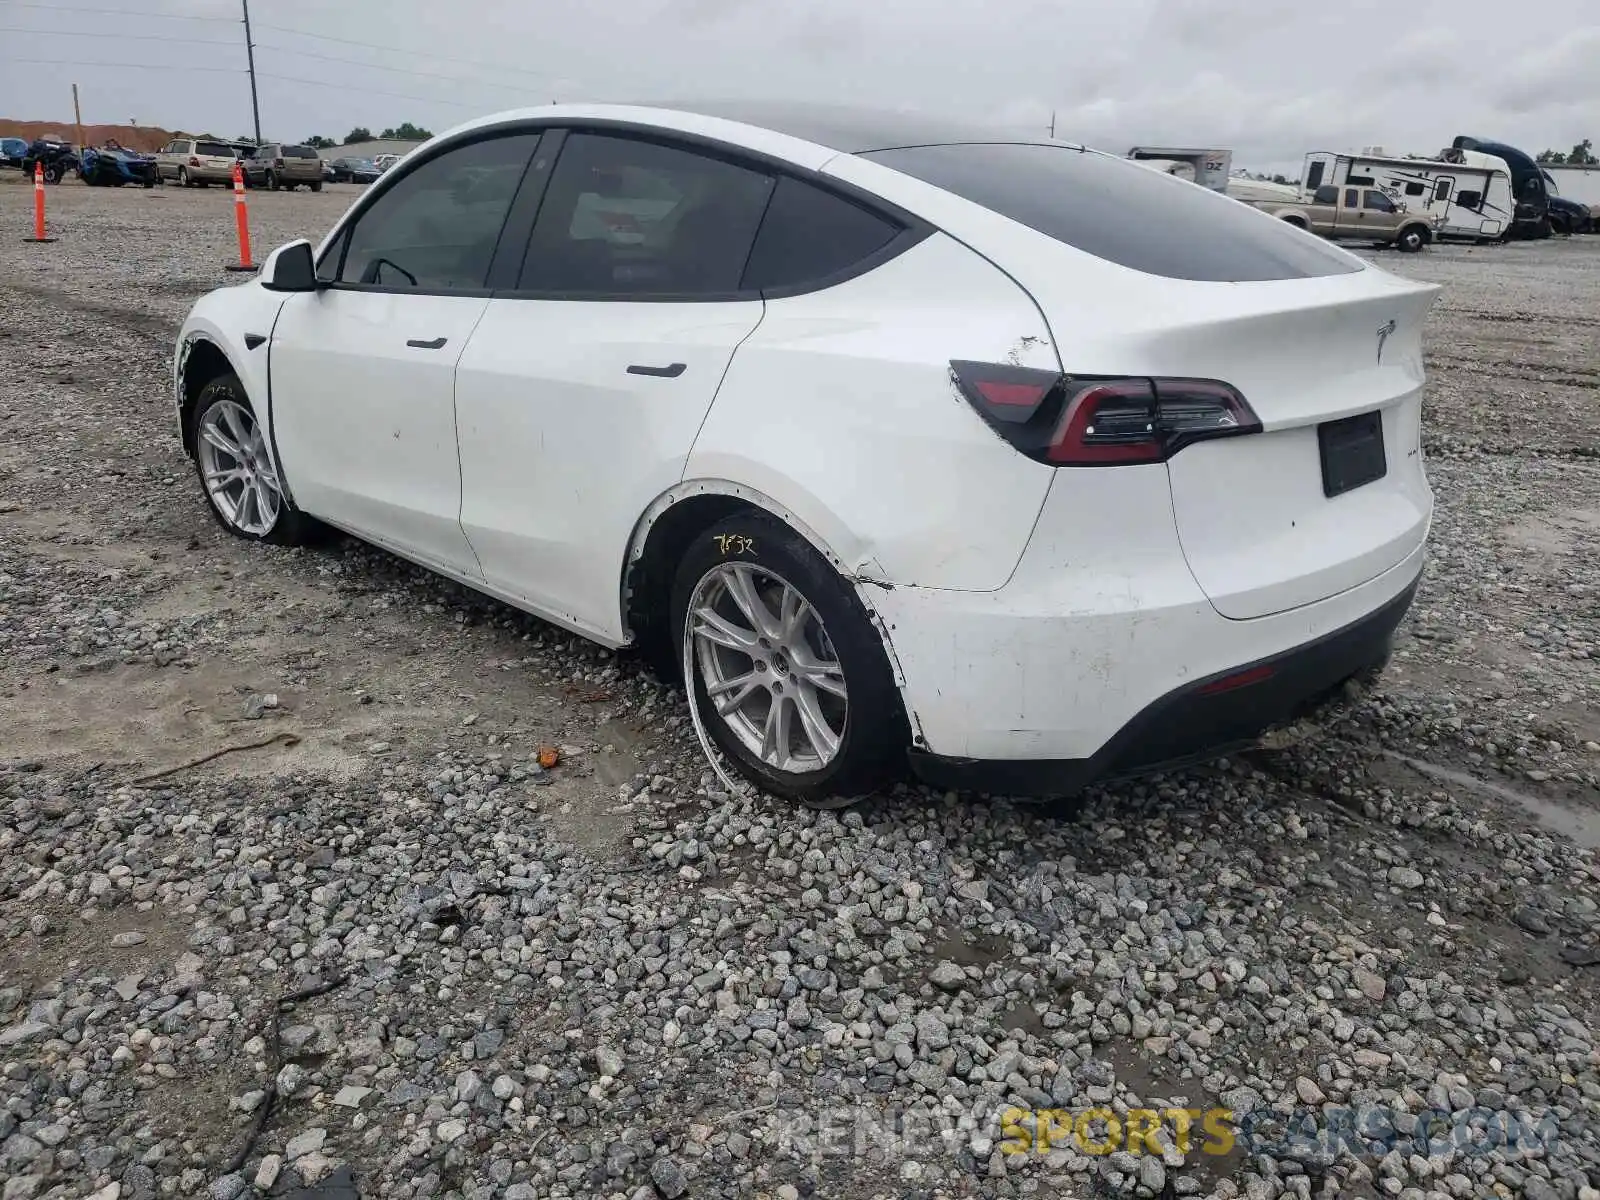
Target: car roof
806	134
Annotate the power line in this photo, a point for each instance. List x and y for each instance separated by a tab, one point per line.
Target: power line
520	89
429	54
122	37
119	12
366	91
135	66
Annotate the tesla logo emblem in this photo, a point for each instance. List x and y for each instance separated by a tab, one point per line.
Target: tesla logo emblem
1384	331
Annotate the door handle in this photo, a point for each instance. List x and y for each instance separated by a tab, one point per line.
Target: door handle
671	371
420	344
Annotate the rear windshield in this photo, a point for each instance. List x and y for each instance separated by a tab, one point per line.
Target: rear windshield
1120	212
213	148
299	152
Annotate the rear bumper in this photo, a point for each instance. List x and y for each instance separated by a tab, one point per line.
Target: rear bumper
1198	721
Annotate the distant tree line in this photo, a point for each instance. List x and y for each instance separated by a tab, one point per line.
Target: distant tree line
1581	155
400	133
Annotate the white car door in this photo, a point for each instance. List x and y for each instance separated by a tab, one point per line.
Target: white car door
580	393
363	371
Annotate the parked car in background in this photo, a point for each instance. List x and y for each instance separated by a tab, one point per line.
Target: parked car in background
328	173
113	166
283	166
355	170
889	449
56	155
12	151
384	161
197	162
1362	214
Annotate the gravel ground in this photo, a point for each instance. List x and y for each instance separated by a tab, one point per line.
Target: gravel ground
400	950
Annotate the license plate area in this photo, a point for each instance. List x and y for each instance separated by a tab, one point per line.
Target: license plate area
1352	452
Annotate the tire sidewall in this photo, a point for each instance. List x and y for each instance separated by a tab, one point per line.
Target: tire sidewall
872	749
284	530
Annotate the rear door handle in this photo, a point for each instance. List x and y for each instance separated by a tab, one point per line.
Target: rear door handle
672	371
420	344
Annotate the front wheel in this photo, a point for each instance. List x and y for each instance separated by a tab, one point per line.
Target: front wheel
787	672
52	174
236	470
1412	239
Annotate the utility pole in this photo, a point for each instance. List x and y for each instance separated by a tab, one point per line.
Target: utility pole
1052	124
77	115
250	55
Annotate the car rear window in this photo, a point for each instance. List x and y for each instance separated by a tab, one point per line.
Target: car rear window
299	152
213	148
1120	212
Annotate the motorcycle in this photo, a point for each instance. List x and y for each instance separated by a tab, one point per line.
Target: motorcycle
113	166
57	159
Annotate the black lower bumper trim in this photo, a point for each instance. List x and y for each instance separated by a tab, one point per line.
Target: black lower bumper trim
1196	723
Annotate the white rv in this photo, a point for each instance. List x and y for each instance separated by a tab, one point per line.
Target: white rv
1168	166
1469	190
1210	167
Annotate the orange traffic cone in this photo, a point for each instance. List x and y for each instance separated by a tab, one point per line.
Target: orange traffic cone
242	220
38	206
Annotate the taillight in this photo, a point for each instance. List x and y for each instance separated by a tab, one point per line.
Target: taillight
1089	421
193	161
277	162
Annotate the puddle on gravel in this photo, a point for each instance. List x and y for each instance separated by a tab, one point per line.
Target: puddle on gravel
1581	825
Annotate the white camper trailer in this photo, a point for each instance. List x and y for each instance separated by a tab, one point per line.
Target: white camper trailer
1210	166
1469	190
1168	166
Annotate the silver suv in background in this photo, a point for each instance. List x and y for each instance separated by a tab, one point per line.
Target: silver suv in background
196	162
278	165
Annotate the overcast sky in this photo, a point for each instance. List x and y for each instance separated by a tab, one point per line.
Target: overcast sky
1266	78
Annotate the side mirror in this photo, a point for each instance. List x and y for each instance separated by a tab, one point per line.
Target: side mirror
290	268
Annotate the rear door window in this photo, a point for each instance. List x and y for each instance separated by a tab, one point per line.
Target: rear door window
216	149
809	236
624	217
1121	212
298	152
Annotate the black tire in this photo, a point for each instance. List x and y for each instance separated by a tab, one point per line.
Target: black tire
1411	239
1295	221
272	181
317	186
293	527
52	174
872	749
183	177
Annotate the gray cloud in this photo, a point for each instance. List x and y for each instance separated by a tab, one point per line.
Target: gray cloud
1270	79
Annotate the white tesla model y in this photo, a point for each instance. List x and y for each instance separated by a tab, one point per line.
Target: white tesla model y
1008	457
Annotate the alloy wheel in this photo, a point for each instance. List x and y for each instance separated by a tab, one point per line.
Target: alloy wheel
238	471
769	668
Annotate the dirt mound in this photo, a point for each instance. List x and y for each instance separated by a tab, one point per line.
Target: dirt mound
144	137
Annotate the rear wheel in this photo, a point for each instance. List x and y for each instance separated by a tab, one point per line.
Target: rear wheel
317	186
786	671
236	470
272	181
52	174
183	177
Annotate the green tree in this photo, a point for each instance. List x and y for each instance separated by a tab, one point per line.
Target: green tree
1555	157
406	133
1582	154
359	134
318	142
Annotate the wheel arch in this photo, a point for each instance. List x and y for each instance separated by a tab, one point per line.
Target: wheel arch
200	360
665	527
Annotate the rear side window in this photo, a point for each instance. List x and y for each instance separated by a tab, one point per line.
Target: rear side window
1121	212
809	235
